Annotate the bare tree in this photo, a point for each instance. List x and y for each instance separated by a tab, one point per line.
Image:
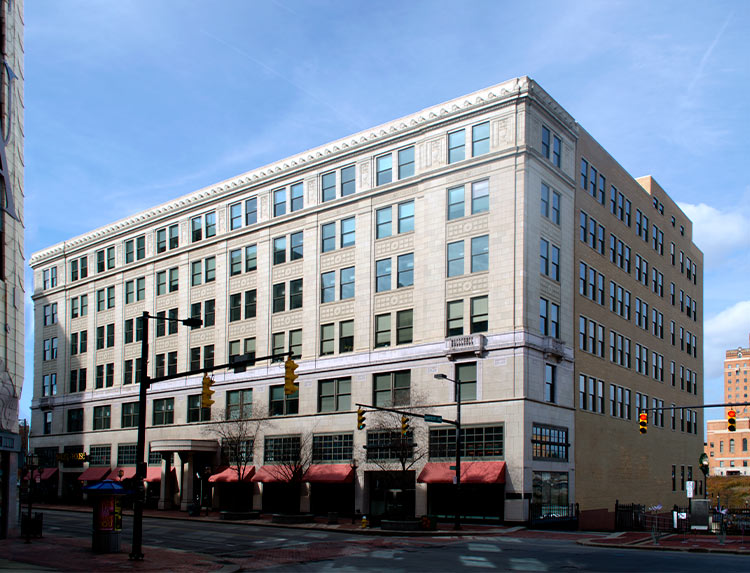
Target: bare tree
287	461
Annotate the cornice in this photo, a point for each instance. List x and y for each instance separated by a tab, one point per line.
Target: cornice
434	114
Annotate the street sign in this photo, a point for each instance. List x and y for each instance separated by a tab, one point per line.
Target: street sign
690	488
452	468
433	419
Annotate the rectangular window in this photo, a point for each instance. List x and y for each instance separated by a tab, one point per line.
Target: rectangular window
549	443
404	326
235	216
382	330
480	197
455	259
281	404
251	300
210	268
383	219
295	294
251	211
235	262
279	250
479	314
295	246
455	203
297	196
239	404
332	448
163	412
406	162
328	287
383	275
480	139
347	232
455	318
549	382
196	273
327	237
251	258
456	146
346	283
279	202
466	374
326	339
392	388
406	217
405	276
480	253
334	395
129	417
348	181
346	336
383	169
476	442
328	186
102	417
279	297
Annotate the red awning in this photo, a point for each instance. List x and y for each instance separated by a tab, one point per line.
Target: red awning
273	474
127	473
45	474
94	473
471	472
329	473
231	475
154	474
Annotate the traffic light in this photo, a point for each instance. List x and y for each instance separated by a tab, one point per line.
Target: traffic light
290	387
732	421
360	419
643	422
207	392
404	425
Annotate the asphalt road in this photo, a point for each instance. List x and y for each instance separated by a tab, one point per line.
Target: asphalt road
274	549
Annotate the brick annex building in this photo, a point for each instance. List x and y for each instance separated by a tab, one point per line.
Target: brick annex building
727	451
488	238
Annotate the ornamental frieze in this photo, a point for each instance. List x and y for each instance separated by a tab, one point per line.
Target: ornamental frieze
287	271
336	259
468	227
397	244
337	310
241	330
394	299
471	285
286	321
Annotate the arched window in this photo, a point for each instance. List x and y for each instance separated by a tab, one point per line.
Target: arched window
731	445
744	444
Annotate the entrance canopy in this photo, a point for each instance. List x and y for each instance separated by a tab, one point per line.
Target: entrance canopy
329	473
231	475
42	475
184	445
471	472
94	473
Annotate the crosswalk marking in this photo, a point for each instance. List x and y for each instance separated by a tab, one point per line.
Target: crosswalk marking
475	561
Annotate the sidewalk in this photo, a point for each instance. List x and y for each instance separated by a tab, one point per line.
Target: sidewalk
702	543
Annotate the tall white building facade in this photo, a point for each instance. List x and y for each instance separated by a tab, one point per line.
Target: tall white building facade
380	260
11	258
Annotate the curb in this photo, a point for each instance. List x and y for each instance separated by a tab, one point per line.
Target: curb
314	527
725	550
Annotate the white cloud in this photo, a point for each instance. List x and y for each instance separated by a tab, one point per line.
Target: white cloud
717	233
724	331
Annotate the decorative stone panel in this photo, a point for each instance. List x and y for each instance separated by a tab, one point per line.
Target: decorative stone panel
392	300
469	285
337	259
287	271
337	310
289	320
398	244
468	227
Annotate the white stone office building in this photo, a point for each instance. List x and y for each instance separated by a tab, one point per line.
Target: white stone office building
11	258
379	260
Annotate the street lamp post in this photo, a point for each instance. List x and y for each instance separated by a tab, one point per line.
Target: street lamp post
32	463
136	551
457	522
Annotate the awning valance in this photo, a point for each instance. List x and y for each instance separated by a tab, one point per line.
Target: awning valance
154	474
127	473
231	474
273	474
471	472
94	473
43	474
329	473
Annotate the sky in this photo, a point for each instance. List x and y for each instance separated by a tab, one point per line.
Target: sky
132	104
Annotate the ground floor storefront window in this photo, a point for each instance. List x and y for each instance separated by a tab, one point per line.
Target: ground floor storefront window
479	502
550	488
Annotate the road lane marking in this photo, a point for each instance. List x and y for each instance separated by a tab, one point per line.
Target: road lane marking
487	547
475	561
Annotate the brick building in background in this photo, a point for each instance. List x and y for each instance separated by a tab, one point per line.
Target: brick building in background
728	451
489	238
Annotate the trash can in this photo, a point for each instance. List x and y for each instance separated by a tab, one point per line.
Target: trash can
107	514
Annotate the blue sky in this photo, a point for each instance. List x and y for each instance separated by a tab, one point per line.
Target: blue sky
132	104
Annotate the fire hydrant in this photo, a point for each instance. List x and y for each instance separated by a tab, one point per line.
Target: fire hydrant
364	524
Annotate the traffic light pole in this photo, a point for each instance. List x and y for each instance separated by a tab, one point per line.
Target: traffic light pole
136	552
